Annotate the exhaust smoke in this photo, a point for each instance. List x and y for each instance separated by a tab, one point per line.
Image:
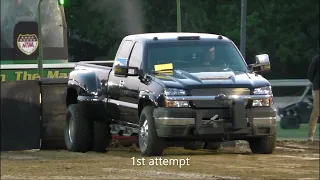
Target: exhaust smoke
127	14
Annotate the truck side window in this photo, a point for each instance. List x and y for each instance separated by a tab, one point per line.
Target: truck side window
136	55
124	49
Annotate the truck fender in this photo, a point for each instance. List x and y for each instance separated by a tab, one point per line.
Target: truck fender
81	85
86	82
147	99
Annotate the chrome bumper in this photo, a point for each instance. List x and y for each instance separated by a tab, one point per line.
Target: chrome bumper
220	97
264	121
172	121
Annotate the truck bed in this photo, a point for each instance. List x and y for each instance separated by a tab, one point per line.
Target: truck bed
97	65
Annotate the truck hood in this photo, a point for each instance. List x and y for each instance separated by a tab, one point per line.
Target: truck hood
226	79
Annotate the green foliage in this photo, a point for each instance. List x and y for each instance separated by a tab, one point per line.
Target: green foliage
287	31
61	2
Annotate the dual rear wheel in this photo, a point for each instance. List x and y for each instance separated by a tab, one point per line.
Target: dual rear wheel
86	130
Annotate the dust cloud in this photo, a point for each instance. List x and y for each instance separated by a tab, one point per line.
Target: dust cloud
127	14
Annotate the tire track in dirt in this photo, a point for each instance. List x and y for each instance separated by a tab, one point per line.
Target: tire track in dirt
291	160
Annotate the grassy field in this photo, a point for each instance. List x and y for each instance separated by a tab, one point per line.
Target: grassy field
296	134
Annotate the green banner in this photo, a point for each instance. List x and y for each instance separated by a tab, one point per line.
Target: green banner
32	74
32	61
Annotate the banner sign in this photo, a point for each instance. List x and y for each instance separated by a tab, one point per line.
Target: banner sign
32	74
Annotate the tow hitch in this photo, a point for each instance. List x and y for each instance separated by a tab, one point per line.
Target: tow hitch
216	125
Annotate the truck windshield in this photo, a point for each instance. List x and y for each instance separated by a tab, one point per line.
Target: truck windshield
52	18
201	56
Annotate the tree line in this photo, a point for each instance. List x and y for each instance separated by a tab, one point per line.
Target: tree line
287	30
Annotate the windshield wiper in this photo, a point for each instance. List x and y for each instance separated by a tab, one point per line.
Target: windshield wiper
162	71
229	69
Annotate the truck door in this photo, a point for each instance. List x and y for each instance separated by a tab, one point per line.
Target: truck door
114	84
129	91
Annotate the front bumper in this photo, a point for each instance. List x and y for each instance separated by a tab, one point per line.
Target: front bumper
229	123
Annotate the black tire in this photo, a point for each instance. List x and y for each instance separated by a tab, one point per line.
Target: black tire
290	122
78	139
102	137
193	145
150	144
264	145
212	145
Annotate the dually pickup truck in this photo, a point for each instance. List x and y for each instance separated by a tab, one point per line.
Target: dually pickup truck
193	88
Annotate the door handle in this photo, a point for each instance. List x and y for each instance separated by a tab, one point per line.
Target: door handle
121	83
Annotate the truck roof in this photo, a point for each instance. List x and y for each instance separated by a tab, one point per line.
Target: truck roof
173	36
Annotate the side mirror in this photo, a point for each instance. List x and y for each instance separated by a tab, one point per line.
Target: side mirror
122	69
126	71
262	63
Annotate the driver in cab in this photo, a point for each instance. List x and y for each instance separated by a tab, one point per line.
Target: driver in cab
210	57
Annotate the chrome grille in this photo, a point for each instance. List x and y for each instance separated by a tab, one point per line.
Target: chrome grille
214	92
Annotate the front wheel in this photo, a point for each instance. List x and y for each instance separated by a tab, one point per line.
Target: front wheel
264	145
149	142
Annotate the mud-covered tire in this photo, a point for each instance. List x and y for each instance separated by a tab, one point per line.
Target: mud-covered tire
102	137
264	145
212	145
150	144
77	131
193	145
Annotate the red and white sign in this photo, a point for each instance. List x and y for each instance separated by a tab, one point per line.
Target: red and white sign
27	43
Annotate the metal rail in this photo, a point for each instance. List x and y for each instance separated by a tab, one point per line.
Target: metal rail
290	82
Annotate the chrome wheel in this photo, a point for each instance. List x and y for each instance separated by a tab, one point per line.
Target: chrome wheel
143	140
71	130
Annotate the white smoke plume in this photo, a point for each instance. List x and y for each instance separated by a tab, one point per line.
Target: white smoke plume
128	14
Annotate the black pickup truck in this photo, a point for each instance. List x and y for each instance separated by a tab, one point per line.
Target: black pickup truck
193	88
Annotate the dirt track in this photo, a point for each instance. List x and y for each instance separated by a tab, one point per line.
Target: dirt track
291	160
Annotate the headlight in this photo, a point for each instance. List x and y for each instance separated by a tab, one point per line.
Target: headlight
176	92
263	91
177	104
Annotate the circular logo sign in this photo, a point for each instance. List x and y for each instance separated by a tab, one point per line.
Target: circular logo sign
27	43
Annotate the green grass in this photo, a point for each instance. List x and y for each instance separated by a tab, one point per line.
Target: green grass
296	134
